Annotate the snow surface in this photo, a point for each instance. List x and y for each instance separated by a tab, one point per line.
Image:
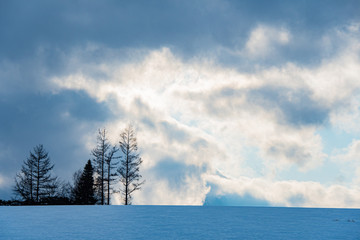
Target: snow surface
177	222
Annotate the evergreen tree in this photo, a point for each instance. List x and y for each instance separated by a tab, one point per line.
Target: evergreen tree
129	164
34	183
84	187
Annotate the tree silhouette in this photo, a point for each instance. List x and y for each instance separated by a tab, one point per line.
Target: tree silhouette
84	187
110	176
129	164
24	182
35	183
104	154
99	154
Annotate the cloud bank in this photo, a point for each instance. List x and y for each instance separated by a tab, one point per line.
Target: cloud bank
198	117
247	108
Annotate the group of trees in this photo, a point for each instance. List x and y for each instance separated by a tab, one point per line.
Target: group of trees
34	184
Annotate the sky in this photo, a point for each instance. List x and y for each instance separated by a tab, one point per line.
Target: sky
248	103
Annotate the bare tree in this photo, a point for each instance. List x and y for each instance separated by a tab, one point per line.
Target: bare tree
35	182
24	181
129	164
99	154
104	154
110	165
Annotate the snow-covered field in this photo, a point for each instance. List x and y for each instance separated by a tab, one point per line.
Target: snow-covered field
177	222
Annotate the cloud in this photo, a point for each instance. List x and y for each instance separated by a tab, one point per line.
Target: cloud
62	122
350	153
295	106
264	40
350	157
225	98
221	95
202	116
285	193
173	182
289	98
2	181
201	26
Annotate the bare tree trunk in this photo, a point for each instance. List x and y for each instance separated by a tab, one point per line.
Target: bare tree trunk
38	179
108	186
31	183
127	171
102	178
127	179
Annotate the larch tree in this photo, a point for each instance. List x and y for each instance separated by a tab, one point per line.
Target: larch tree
110	174
103	155
129	170
99	153
24	182
34	183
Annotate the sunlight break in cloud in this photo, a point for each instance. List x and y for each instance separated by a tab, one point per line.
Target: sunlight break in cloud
161	76
196	118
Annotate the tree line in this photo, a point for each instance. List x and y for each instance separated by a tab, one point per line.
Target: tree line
94	184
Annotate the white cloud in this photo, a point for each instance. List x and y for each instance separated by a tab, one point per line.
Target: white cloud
199	114
350	153
5	182
158	192
6	153
186	111
191	93
287	193
350	156
263	40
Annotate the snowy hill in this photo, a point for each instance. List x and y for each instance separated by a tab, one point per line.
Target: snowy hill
177	222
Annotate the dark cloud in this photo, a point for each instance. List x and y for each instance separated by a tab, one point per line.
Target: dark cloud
291	151
295	106
59	122
191	27
312	14
114	24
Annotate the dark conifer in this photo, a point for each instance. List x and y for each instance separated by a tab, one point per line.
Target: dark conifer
84	187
